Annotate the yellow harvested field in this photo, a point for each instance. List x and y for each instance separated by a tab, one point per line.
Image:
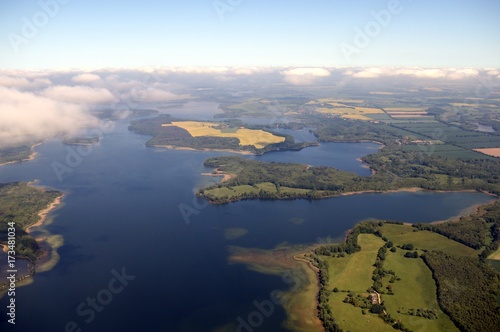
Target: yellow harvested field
353	112
333	100
494	152
495	255
405	109
257	138
410	115
472	105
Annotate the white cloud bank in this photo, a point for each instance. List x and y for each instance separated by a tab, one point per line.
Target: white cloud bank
86	78
431	73
80	94
304	76
25	116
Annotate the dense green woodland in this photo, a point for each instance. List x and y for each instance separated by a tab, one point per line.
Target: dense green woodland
467	290
21	203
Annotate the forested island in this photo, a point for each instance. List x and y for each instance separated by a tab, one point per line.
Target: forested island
227	136
82	140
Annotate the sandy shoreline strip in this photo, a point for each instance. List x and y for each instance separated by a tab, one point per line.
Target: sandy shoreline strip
45	212
225	176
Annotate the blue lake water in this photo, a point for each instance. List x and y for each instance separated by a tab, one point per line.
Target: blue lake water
123	211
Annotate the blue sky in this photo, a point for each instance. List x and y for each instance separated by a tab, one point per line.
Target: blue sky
113	33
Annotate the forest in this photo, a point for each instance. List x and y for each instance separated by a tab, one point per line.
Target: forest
21	203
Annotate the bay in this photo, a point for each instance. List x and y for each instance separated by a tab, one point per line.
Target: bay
131	207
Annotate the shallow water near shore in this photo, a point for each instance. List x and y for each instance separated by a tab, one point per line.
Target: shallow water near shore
131	207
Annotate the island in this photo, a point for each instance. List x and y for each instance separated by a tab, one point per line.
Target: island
231	136
87	141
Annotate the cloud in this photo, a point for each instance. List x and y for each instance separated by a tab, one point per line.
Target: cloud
369	73
80	94
304	76
432	73
23	83
152	94
85	78
25	117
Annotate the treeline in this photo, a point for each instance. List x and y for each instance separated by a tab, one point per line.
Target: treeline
492	216
476	231
350	245
215	198
21	203
342	130
467	290
325	313
471	231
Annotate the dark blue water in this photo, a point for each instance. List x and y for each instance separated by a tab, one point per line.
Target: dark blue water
124	211
339	155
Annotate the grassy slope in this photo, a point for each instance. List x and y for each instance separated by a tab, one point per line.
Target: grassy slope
353	273
416	289
400	234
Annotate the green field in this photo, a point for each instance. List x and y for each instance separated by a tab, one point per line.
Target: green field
416	289
372	260
354	272
350	318
400	235
450	134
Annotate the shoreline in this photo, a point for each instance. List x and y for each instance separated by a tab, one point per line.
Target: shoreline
300	300
32	156
180	148
351	193
225	176
45	212
42	218
45	244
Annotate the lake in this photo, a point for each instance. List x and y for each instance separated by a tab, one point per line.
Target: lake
124	210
